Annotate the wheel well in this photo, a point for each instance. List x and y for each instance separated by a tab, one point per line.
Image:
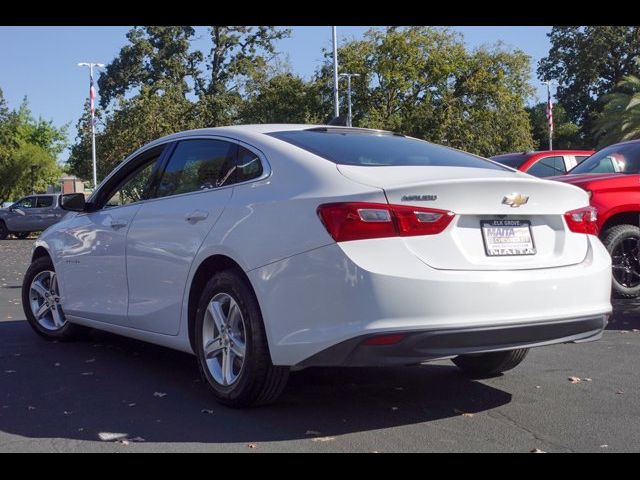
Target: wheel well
629	218
206	270
40	252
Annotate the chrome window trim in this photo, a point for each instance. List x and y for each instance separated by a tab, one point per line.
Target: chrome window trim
266	166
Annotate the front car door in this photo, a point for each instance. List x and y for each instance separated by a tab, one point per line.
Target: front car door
168	231
93	258
47	212
27	220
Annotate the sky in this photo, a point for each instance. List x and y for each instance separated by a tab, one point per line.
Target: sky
41	62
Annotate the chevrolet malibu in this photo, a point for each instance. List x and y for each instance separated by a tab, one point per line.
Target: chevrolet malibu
262	249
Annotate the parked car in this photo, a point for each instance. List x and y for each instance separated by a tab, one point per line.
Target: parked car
544	163
262	248
611	177
30	214
6	204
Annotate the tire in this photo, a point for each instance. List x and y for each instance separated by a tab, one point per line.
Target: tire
490	364
614	239
49	326
4	231
251	379
22	235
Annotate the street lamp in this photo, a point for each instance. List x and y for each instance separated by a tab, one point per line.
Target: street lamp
349	75
336	100
92	97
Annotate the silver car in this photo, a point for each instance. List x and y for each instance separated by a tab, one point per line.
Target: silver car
30	214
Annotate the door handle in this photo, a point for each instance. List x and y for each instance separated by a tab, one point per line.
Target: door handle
118	223
196	216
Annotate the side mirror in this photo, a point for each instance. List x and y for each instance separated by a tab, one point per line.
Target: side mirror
73	202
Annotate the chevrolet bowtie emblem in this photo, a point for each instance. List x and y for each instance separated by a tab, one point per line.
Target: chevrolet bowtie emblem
514	200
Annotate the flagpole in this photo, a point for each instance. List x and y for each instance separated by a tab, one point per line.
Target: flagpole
93	118
549	114
336	101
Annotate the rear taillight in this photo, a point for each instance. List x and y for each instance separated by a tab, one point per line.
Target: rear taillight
359	221
583	220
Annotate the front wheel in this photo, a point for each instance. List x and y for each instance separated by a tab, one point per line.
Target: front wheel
490	364
231	344
41	302
623	244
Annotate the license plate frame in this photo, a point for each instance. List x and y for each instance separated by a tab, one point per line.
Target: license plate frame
492	248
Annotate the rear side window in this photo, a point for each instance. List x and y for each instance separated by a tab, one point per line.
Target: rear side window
44	202
379	149
548	167
249	165
581	158
198	165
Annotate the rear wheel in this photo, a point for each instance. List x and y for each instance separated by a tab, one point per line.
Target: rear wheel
4	231
22	235
490	364
623	244
41	302
231	344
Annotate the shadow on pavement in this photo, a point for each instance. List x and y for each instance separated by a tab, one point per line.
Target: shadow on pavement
626	314
107	383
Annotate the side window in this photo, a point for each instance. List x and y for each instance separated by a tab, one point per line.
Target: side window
28	202
198	165
44	202
249	165
548	167
134	186
581	158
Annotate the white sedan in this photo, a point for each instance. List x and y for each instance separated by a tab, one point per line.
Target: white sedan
269	247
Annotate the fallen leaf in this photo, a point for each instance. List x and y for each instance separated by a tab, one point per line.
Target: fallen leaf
91	360
17	354
131	405
81	429
87	374
206	410
323	439
619	392
138	439
67	413
312	432
31	408
124	441
394	408
604	446
9	371
574	380
252	445
537	450
587	380
537	386
111	437
56	364
159	394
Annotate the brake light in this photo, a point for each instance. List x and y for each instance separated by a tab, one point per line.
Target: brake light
359	220
583	220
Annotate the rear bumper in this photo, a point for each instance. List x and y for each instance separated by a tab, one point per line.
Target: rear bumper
342	292
416	347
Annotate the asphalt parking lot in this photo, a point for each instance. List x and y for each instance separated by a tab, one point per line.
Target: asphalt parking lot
108	393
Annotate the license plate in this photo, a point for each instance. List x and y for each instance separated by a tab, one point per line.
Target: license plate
507	237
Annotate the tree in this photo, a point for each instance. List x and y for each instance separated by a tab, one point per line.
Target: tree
16	174
620	118
422	81
588	62
566	134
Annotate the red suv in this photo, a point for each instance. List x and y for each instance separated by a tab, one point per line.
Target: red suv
544	163
612	178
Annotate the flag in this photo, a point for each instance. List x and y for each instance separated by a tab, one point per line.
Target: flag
92	94
549	110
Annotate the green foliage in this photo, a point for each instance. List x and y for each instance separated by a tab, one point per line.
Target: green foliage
588	62
25	143
566	134
423	82
620	117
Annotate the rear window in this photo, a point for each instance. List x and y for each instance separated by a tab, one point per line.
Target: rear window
514	161
379	149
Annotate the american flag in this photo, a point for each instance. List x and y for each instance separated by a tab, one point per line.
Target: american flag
549	110
92	94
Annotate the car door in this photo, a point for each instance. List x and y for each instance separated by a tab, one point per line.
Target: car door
23	218
93	254
168	231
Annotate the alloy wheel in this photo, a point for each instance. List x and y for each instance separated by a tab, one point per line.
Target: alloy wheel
626	262
44	299
224	339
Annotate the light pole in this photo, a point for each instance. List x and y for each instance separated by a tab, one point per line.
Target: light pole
336	104
349	75
92	97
